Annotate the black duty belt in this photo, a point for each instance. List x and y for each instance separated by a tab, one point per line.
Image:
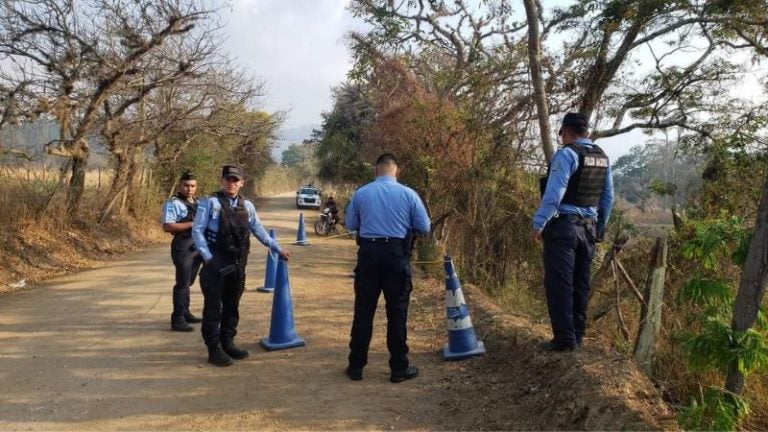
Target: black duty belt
390	240
575	218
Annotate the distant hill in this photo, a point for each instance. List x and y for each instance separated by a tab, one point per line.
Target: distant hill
32	137
290	136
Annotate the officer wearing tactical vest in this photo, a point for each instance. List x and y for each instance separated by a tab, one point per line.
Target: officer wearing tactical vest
178	214
221	232
575	208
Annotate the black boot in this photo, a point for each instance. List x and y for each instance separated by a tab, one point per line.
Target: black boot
217	356
233	351
188	317
180	325
409	373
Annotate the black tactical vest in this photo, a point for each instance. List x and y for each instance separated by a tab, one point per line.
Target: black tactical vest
191	212
233	238
585	186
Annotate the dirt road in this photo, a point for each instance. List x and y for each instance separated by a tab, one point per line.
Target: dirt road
93	351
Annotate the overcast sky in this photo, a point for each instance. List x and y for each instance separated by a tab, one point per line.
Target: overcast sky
296	47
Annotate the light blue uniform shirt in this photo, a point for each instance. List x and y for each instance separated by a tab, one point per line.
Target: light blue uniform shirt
174	210
208	216
385	208
564	164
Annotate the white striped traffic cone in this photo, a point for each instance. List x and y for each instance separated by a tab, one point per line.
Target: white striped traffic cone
462	341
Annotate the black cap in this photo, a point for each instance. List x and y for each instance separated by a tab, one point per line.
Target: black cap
576	120
187	175
232	171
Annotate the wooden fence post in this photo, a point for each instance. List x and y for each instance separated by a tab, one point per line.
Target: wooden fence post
650	312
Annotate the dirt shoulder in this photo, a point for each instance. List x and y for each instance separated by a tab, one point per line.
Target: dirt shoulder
37	253
93	351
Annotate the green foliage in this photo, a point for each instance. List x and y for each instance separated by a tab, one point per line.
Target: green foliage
708	292
718	239
247	141
341	137
711	347
718	346
714	345
715	410
293	155
662	188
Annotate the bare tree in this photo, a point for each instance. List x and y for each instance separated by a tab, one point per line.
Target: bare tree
61	44
130	118
532	11
593	70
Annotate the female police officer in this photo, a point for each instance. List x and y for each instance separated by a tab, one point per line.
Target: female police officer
178	214
221	232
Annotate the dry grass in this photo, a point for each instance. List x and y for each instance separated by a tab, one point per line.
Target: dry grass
277	180
38	242
49	173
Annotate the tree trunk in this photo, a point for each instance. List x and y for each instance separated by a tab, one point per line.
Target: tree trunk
77	182
132	194
121	173
125	173
540	94
751	286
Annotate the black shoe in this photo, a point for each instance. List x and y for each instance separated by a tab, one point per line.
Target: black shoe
181	326
552	346
233	351
354	374
409	373
188	317
217	356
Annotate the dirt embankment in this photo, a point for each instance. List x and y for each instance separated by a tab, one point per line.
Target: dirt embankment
39	252
92	351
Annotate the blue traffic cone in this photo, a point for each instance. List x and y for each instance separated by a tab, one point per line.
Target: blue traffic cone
462	341
271	272
301	236
282	332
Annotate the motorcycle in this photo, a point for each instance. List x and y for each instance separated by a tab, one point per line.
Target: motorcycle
326	224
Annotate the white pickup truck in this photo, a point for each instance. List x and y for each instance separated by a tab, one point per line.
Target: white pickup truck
308	197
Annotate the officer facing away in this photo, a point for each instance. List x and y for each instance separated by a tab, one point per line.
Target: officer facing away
178	214
385	213
574	211
221	232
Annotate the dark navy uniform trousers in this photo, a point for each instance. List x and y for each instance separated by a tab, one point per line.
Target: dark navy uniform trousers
569	246
381	267
223	282
187	261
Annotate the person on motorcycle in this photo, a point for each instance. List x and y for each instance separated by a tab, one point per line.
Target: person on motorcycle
330	204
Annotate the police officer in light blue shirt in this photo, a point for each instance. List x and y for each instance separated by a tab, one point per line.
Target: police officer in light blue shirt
178	213
385	214
221	232
574	211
